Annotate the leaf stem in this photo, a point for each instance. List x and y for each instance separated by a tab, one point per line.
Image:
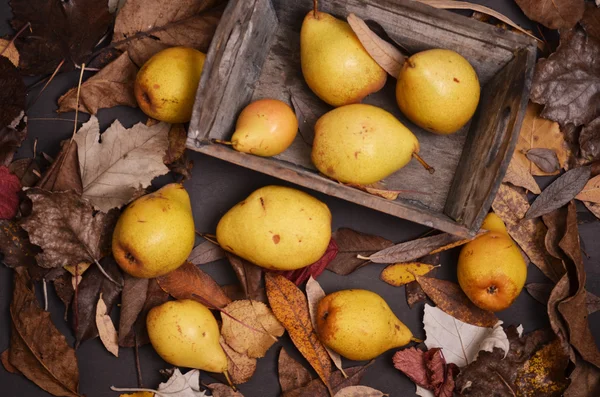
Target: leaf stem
112	280
209	237
366	258
47	82
45	287
75	123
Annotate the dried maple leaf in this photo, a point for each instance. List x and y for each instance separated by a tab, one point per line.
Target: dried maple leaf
248	274
518	174
188	282
316	388
206	252
10	186
400	274
64	173
133	298
106	328
144	27
350	244
291	308
37	349
554	14
12	93
591	191
567	83
126	159
67	229
112	86
60	30
299	276
250	327
292	374
240	366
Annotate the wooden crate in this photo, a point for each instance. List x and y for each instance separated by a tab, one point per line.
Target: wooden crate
255	54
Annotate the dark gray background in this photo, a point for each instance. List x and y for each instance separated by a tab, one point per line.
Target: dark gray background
214	188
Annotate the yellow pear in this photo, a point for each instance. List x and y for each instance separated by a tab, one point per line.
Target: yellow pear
438	90
491	269
361	144
359	325
335	64
186	334
265	128
155	234
277	228
165	87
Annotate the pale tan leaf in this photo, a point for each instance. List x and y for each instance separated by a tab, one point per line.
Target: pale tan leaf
11	52
240	366
518	174
385	54
537	132
106	328
314	294
464	5
400	274
593	208
254	329
126	160
359	391
591	191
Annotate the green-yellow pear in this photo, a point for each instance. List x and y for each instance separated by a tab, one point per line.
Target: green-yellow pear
277	228
155	234
359	325
361	144
335	64
491	270
165	87
186	334
265	127
438	90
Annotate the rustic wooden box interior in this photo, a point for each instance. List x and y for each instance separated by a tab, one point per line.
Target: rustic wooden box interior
255	54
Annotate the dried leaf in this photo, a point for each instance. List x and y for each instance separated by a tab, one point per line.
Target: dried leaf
450	298
67	229
545	159
589	141
240	366
540	291
591	20
64	173
379	191
37	349
511	205
132	302
291	309
63	286
112	86
11	138
253	328
427	369
59	31
177	141
385	54
249	275
359	391
187	280
4	358
554	14
10	186
413	291
350	244
144	27
155	296
460	342
126	160
560	192
314	294
400	274
9	51
106	328
206	252
559	293
316	388
221	390
306	119
585	380
15	246
27	170
593	208
182	385
568	81
12	96
292	374
411	361
591	191
299	276
518	174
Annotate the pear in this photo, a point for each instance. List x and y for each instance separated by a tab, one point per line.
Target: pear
155	234
335	65
438	90
185	333
491	270
265	127
277	228
359	325
165	86
361	144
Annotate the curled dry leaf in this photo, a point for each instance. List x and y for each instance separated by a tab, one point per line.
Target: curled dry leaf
414	292
560	192
6	363
292	375
37	349
316	388
449	297
206	252
106	328
253	328
385	54
27	170
240	366
187	280
554	14
64	173
299	276
248	274
10	186
403	273
585	380
291	308
545	159
184	385
133	298
126	160
350	244
518	174
359	391
314	294
591	191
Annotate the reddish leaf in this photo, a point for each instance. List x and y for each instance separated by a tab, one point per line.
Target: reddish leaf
299	276
10	186
427	369
411	362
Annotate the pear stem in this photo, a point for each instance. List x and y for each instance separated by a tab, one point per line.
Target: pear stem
229	380
222	142
316	9
416	340
366	258
423	163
